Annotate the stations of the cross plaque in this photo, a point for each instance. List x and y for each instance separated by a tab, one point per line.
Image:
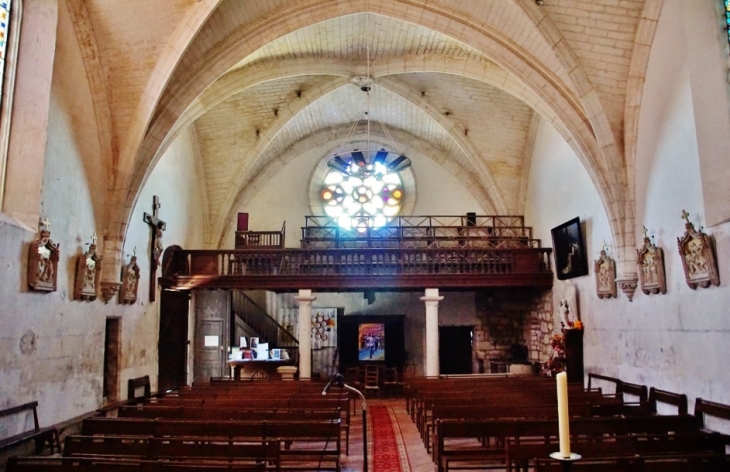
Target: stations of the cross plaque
157	226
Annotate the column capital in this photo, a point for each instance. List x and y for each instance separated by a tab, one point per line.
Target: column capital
305	296
432	295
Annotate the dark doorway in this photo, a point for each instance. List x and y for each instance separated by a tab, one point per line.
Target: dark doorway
173	343
455	349
112	339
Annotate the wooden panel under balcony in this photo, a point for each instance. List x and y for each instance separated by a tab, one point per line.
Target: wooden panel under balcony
357	269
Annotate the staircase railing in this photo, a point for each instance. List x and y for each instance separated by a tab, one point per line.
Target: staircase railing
258	319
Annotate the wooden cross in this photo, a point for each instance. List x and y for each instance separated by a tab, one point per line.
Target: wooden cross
157	226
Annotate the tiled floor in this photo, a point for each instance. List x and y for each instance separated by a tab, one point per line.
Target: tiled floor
418	459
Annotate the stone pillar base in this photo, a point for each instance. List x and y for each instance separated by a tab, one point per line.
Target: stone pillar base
287	372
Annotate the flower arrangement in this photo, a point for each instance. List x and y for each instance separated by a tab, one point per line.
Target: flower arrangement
556	363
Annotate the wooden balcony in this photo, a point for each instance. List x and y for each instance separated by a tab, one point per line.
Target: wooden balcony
357	269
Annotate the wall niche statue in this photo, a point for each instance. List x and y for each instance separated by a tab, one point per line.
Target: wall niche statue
43	261
130	281
605	269
651	267
88	273
698	256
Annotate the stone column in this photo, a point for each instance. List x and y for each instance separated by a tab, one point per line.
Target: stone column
432	300
305	300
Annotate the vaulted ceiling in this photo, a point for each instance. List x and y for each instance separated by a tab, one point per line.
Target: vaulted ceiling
465	81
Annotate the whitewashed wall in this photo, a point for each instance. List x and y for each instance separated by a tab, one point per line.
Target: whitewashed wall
679	341
52	346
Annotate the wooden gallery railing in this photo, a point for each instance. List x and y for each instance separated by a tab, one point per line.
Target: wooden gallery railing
360	268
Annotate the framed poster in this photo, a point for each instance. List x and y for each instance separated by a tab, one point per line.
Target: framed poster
371	338
569	250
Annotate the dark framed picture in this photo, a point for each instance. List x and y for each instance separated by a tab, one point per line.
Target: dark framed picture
569	251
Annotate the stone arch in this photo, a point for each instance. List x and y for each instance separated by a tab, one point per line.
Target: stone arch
515	60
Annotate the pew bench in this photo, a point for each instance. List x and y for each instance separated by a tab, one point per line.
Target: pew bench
451	451
303	442
66	464
672	463
41	436
198	450
521	455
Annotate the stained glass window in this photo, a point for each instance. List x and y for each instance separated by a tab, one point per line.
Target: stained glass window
362	193
4	30
727	20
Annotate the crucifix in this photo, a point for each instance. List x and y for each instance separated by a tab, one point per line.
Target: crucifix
157	226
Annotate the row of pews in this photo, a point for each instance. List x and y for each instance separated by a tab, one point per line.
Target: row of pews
262	425
510	423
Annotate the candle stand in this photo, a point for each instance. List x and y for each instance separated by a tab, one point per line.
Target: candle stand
566	462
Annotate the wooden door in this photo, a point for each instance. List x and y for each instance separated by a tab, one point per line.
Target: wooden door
212	313
455	350
112	346
173	341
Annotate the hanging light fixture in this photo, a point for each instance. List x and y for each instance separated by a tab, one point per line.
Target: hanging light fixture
365	189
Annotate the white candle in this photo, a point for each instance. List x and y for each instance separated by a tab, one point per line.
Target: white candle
563	418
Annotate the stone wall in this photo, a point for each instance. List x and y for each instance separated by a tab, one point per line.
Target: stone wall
506	318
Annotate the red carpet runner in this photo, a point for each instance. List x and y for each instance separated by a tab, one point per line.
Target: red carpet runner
388	452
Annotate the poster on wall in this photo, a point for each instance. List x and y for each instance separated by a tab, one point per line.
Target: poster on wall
371	339
324	328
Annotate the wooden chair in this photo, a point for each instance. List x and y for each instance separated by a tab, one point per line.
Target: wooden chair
390	381
372	380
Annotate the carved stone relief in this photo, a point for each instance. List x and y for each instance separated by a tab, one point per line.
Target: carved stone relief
43	261
605	269
650	260
698	256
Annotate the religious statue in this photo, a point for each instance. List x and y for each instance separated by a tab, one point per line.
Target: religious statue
565	313
88	272
571	301
698	256
157	226
650	260
605	269
130	281
43	258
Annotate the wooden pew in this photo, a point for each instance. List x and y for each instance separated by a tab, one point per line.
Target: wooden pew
673	463
704	408
537	410
40	435
425	420
621	387
66	464
315	406
305	441
200	450
520	455
495	432
657	396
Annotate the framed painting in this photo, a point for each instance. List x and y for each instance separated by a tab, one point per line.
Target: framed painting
569	250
